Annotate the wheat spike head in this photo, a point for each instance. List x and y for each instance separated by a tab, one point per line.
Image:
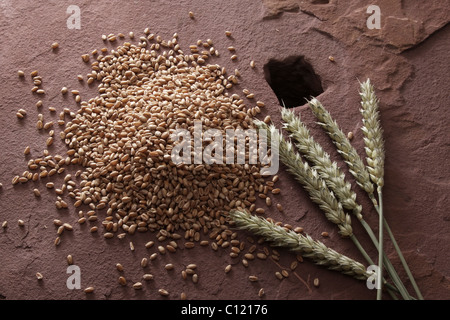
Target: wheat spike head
373	133
309	248
343	145
310	180
328	170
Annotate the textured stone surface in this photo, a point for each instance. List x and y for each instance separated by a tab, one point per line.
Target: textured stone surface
407	61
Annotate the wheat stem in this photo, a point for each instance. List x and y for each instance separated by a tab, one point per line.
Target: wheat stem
387	263
402	258
380	244
369	260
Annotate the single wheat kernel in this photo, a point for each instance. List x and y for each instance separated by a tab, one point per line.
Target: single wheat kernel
5	224
89	290
39	104
189	244
261	256
195	278
293	265
191	15
69	259
324	234
183	296
253	278
252	64
163	292
298	229
27	150
34	73
261	292
107	235
228	268
119	267
147	277
278	275
149	244
20	222
144	262
57	241
233	57
331	58
161	250
137	285
122	280
20	73
228	33
350	135
55	45
316	282
169	266
153	256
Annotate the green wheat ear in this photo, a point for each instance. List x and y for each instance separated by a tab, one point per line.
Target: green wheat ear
328	170
343	145
373	133
308	247
310	179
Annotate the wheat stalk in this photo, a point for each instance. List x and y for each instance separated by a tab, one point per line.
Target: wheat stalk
310	179
373	133
309	248
348	152
328	170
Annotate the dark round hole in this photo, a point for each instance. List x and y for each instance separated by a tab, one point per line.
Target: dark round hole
293	80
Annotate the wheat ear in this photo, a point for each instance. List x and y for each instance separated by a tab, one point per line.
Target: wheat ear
373	133
348	152
328	170
310	179
309	248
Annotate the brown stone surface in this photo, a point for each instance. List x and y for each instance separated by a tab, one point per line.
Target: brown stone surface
407	61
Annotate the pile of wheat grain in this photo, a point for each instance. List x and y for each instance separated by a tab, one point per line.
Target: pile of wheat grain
122	139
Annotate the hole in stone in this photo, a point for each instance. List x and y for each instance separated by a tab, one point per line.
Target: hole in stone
320	1
293	80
